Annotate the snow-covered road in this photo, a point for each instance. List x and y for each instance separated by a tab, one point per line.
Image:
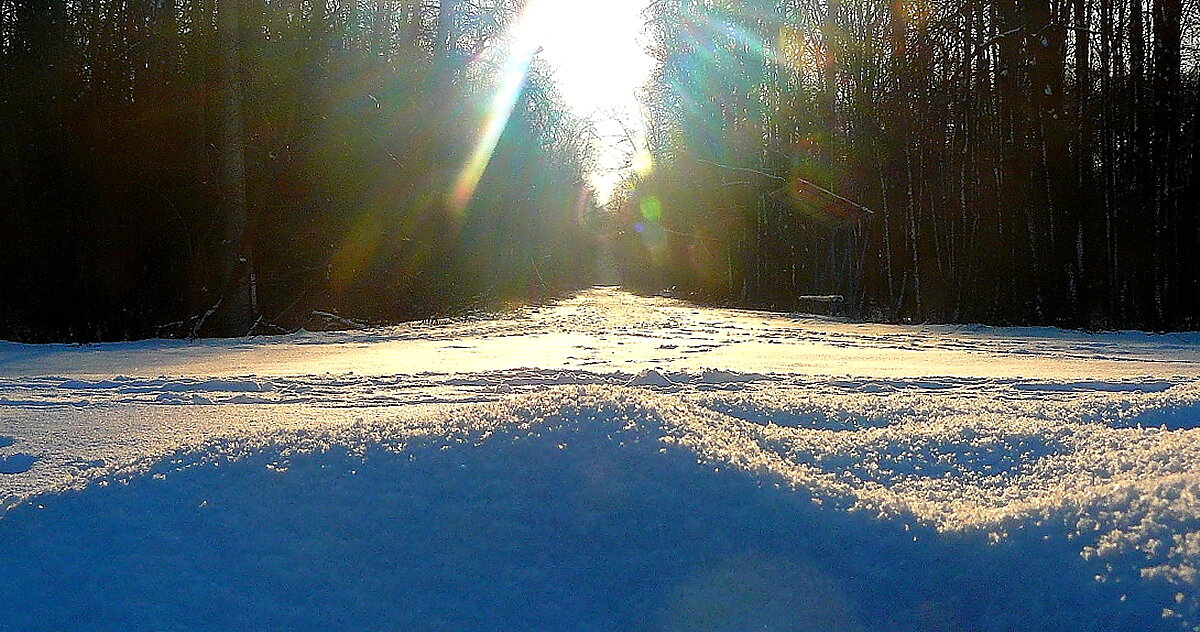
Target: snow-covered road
681	467
605	329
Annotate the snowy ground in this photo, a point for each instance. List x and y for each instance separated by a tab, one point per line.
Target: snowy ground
605	463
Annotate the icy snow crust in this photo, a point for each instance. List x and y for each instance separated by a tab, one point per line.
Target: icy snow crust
780	491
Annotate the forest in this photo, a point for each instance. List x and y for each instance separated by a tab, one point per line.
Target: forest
182	168
222	167
997	161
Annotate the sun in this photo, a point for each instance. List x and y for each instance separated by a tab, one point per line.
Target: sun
593	45
596	53
593	51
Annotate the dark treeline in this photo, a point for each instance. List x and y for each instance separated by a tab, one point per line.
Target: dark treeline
1026	161
195	167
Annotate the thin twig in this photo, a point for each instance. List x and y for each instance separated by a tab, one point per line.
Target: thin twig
835	196
200	323
746	169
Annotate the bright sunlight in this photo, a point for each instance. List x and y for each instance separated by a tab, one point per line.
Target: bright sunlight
599	60
598	63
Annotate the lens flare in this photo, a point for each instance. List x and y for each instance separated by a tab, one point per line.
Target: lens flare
512	79
652	209
643	161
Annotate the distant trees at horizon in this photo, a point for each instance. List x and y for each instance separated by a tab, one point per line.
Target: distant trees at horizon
200	167
1027	161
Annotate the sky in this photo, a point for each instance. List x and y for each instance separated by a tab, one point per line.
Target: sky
597	52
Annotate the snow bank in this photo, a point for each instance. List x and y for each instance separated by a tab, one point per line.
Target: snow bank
603	507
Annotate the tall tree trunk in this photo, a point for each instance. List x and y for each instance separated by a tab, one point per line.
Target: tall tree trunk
236	312
410	23
1172	228
1017	117
1087	212
445	43
1141	297
832	45
383	25
1049	61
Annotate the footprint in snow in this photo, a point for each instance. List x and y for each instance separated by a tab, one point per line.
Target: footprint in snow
17	463
6	441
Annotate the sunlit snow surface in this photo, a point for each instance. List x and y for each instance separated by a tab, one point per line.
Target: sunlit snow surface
605	463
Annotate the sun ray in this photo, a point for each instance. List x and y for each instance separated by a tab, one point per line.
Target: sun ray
593	52
504	101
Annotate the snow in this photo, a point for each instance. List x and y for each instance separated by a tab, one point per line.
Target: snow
605	462
605	330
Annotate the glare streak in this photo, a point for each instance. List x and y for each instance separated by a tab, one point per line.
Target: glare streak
503	103
512	81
